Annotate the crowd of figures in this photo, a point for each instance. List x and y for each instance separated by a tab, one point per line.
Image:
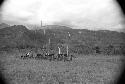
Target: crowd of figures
47	56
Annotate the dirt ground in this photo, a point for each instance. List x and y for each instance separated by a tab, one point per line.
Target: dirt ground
82	70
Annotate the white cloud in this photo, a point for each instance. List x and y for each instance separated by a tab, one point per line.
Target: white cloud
77	13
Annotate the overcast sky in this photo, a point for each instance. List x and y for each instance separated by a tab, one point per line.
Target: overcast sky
91	14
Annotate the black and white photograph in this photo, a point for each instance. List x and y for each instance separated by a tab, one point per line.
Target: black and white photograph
62	42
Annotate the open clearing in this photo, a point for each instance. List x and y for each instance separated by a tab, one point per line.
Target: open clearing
82	70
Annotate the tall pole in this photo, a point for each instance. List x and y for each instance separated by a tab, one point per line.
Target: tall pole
49	46
67	50
41	24
59	50
44	31
49	41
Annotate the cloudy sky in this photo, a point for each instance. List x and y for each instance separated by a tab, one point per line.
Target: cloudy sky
91	14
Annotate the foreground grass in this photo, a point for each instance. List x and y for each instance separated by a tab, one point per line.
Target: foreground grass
82	70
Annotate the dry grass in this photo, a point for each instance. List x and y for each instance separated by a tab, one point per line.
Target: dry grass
82	70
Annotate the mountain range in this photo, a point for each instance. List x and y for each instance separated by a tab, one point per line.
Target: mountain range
19	36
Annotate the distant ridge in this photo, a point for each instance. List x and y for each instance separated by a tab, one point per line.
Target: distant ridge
3	25
56	27
19	36
34	27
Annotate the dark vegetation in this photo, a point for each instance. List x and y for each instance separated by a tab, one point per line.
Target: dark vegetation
81	41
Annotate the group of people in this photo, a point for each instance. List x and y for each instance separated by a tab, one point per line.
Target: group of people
47	56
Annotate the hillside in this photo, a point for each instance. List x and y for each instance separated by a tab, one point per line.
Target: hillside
3	25
18	36
81	41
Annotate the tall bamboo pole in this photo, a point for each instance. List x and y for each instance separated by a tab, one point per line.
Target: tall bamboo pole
67	50
59	50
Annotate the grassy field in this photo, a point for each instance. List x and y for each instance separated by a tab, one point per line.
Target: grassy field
82	70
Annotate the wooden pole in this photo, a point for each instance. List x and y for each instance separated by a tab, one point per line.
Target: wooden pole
49	41
44	31
49	46
67	50
41	23
59	50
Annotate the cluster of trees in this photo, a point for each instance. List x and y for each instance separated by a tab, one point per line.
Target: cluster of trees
78	49
105	50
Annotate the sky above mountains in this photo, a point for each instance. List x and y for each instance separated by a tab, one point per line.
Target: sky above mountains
89	14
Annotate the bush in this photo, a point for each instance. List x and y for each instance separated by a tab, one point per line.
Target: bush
82	49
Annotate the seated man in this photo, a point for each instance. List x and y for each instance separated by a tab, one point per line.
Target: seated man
30	54
60	57
39	56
